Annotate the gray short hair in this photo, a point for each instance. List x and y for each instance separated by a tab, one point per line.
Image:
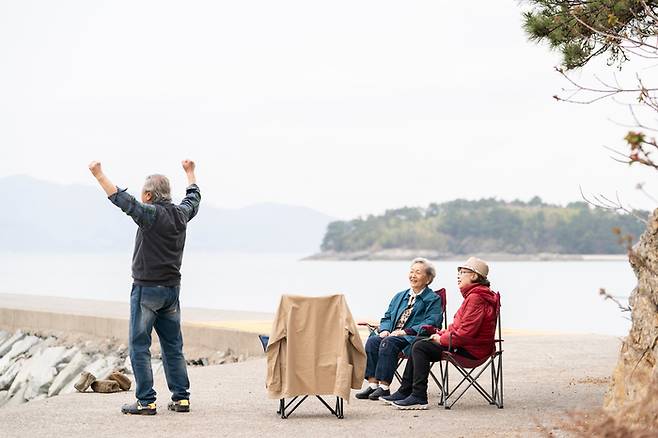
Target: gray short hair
430	270
158	186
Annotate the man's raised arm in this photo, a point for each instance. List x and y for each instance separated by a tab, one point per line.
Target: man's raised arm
188	167
104	181
142	214
190	204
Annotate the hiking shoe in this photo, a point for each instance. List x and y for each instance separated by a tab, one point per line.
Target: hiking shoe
365	393
179	406
85	380
379	392
105	386
411	403
396	396
123	381
139	409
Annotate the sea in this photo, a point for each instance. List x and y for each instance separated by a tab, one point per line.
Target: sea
542	296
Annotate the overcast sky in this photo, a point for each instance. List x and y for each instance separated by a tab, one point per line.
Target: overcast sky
347	107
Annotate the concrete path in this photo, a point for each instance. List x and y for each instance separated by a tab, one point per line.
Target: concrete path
545	378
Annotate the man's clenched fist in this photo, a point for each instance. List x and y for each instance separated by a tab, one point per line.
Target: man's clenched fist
95	168
188	165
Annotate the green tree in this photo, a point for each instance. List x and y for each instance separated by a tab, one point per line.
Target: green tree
618	29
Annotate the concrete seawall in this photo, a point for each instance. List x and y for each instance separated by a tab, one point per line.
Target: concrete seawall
196	336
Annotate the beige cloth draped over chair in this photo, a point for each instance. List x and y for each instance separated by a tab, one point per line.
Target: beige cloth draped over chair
314	348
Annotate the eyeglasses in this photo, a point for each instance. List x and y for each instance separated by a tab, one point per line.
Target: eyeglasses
464	271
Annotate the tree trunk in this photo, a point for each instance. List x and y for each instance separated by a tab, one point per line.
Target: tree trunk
633	394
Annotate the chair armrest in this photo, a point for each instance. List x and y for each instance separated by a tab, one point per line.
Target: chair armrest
427	330
372	327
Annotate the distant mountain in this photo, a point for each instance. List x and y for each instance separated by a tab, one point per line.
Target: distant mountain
42	216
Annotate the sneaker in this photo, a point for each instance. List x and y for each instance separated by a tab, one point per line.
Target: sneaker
396	396
85	381
365	393
139	409
411	403
179	406
123	380
379	392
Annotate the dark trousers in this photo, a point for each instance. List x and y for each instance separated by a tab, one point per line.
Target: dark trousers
417	370
382	356
157	307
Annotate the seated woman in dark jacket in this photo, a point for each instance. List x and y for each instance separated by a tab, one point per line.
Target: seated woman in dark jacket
408	311
470	335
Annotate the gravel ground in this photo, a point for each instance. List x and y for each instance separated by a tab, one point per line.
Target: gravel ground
546	377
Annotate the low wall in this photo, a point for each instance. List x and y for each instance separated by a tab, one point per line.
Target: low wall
195	336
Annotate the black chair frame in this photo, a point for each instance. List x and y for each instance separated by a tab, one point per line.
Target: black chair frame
471	370
337	410
401	358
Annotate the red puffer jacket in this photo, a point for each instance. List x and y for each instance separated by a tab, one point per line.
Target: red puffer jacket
474	325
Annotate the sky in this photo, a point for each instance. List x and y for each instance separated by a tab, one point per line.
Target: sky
347	107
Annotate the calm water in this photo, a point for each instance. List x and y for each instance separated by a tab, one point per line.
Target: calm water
556	296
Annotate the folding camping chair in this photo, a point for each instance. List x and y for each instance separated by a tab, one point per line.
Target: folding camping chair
471	370
314	349
338	410
402	357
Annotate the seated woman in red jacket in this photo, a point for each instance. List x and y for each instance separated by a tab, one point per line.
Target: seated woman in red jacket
470	335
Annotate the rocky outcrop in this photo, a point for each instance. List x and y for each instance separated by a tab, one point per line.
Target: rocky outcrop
633	394
35	367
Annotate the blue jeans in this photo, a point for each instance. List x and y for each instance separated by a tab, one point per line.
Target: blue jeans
382	356
157	307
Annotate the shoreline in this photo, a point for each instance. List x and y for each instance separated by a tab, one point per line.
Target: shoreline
112	313
407	254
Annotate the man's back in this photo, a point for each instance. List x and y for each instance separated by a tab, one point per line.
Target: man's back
160	238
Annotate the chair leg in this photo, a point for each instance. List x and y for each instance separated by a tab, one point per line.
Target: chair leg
500	381
493	384
282	408
339	408
446	392
397	373
438	384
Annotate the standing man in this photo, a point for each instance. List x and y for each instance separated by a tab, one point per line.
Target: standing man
156	266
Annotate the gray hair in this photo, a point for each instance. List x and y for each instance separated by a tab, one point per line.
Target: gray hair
158	186
430	270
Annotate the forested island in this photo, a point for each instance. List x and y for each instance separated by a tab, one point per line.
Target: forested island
488	226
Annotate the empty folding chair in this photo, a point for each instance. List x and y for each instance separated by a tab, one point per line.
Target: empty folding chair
314	350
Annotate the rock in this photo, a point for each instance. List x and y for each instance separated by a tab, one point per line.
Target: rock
39	397
127	366
4	397
98	363
42	371
37	372
17	348
122	350
70	354
6	345
8	376
156	366
41	345
4	336
631	398
17	398
69	374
